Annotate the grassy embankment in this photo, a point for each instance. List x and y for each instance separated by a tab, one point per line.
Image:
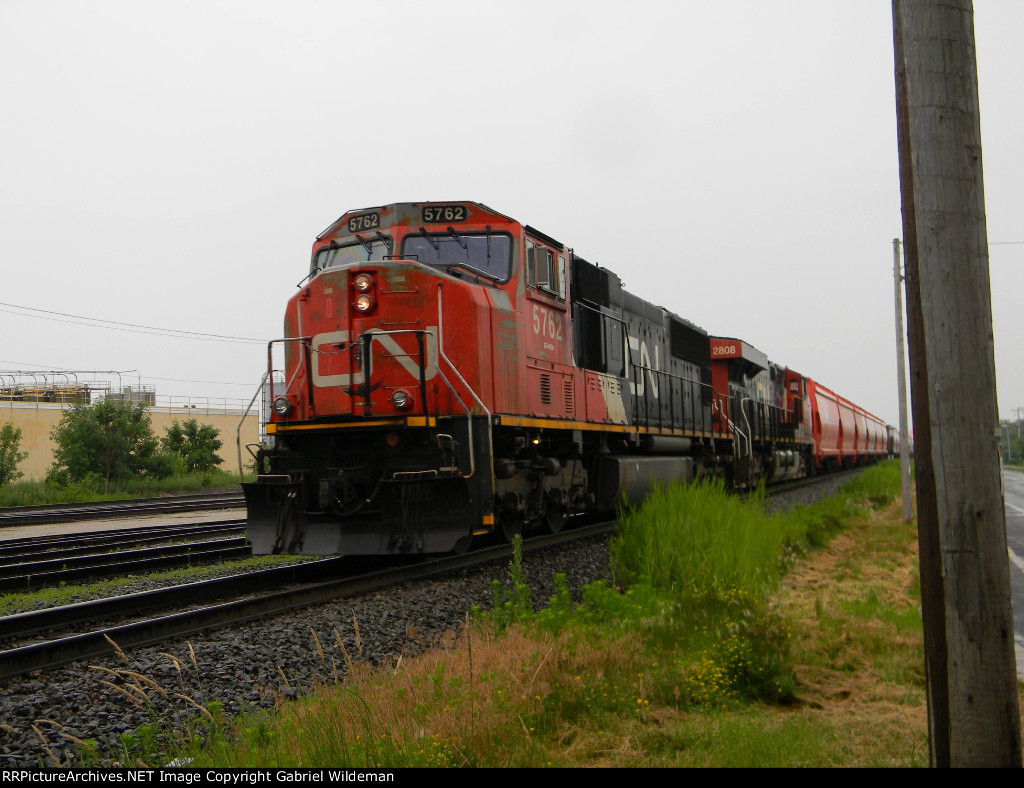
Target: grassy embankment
40	493
727	637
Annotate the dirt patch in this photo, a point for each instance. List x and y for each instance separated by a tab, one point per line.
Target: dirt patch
858	659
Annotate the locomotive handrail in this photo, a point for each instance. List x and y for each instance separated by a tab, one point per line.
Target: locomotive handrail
750	432
245	414
735	427
270	361
671	376
469	418
420	350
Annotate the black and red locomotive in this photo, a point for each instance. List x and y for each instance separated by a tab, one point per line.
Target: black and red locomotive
450	372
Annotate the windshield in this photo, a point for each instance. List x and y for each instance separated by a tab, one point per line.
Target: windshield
490	253
355	252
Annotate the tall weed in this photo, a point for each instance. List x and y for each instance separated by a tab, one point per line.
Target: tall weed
700	536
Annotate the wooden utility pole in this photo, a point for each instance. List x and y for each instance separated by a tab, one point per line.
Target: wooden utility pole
901	378
965	581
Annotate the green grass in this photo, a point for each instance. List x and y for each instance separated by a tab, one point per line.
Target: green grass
700	537
64	594
38	493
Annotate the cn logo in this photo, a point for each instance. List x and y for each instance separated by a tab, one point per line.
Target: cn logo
400	347
637	388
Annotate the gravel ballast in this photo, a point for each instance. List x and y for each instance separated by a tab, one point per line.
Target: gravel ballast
251	666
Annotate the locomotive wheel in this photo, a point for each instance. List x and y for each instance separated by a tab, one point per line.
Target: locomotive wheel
511	527
555	519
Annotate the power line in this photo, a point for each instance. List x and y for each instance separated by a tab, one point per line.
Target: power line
252	383
134	328
49	369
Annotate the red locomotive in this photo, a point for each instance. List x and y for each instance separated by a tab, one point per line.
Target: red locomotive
450	372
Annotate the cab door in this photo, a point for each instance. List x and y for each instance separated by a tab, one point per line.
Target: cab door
550	375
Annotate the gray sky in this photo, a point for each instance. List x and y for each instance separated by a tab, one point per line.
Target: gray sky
169	164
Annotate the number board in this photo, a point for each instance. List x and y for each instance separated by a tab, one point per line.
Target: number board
725	348
444	213
363	222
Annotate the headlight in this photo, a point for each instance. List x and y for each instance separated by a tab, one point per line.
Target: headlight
364	303
363	283
282	406
400	399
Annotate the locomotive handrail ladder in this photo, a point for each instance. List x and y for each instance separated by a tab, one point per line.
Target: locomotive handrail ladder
245	414
746	420
469	416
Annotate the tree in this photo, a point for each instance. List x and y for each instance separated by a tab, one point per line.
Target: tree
110	439
10	442
196	443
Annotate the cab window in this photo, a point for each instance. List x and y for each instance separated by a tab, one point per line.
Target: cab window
544	269
487	253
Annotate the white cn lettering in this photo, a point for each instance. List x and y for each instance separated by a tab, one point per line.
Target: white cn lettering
645	362
636	387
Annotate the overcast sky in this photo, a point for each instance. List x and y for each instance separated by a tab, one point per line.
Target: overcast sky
169	165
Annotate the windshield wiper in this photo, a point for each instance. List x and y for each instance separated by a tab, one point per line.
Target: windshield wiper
367	245
455	235
475	271
431	241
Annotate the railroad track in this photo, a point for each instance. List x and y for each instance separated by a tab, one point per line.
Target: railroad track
31	563
29	515
309	588
83	543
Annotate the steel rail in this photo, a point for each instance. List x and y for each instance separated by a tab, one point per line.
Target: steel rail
50	654
20	625
54	547
183	555
27	515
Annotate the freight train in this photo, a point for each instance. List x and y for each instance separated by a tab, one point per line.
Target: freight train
449	373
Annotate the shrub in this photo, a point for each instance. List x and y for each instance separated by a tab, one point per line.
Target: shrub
195	443
10	456
111	439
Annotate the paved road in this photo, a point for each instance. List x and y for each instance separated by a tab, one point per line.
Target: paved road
1013	493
